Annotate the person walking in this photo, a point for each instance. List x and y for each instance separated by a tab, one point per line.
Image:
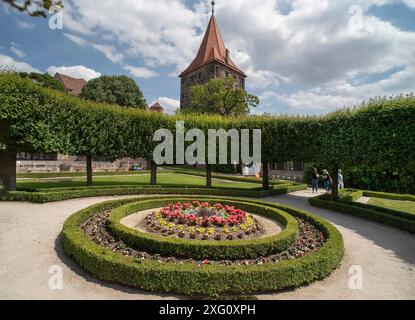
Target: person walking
314	180
327	180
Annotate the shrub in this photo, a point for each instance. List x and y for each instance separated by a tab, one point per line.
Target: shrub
350	195
191	279
61	194
35	175
388	217
198	249
391	196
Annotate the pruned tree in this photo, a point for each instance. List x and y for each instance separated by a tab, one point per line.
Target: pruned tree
35	8
222	96
120	90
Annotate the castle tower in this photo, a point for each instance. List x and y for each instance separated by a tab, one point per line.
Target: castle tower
212	61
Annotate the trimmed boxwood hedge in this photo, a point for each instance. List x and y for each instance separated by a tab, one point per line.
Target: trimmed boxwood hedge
61	194
228	177
350	195
393	218
199	249
44	175
191	279
390	196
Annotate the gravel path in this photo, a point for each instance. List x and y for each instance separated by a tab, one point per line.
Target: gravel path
28	248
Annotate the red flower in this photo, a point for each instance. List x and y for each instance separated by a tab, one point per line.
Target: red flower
218	206
218	221
206	261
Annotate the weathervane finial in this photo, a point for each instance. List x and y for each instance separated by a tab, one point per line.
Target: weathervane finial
213	7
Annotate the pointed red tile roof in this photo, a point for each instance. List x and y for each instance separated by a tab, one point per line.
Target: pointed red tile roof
157	108
212	49
72	86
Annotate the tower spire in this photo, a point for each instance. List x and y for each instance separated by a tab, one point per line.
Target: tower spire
213	7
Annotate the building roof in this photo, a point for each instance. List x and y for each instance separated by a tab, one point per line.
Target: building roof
212	49
72	86
157	108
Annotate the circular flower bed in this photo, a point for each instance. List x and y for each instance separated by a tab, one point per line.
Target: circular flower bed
309	239
202	220
205	245
86	237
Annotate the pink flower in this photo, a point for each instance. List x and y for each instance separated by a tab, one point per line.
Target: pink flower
205	262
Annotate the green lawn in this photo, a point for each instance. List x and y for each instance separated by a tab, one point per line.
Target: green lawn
144	179
405	206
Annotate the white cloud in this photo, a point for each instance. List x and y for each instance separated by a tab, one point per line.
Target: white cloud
18	52
307	44
163	32
79	72
109	51
170	105
9	63
78	40
140	72
25	25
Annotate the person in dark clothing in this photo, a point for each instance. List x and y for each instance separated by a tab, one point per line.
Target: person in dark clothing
314	180
327	180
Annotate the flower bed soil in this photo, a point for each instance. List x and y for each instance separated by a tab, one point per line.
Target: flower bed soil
310	239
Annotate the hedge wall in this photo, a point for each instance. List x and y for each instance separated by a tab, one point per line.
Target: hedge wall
35	119
191	279
198	249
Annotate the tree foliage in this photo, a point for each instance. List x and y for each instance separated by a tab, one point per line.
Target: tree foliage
35	8
222	96
120	90
45	80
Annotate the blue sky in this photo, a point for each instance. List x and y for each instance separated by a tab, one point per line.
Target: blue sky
301	56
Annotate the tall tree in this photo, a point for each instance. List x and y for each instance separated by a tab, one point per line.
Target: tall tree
120	90
35	8
222	96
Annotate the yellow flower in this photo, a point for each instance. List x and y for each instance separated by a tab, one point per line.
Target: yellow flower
171	225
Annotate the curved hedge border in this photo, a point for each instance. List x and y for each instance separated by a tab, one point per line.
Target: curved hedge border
393	218
191	279
62	194
199	249
390	196
350	196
